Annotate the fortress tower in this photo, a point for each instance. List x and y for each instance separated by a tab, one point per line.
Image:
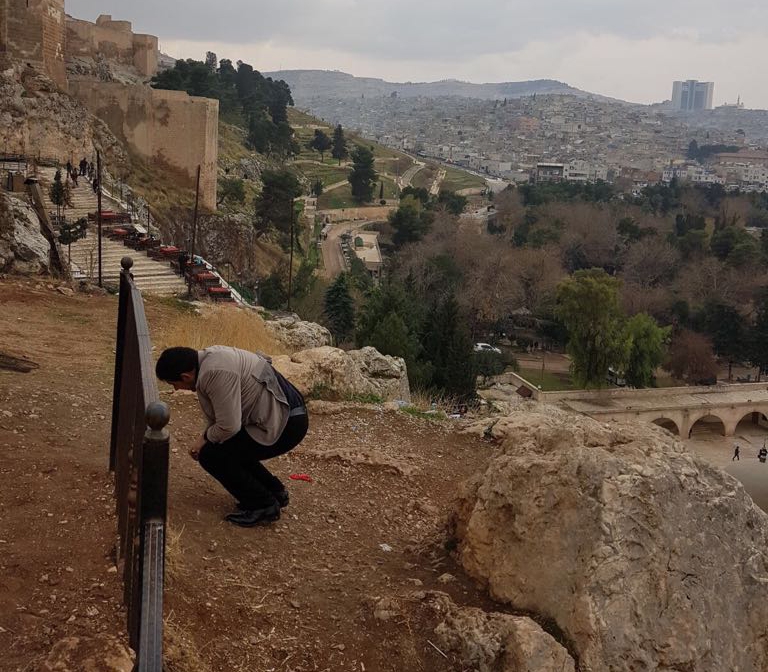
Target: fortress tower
33	31
114	40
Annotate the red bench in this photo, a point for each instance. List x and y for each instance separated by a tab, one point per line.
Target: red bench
220	294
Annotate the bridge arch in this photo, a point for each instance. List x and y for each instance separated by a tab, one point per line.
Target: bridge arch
709	418
668	424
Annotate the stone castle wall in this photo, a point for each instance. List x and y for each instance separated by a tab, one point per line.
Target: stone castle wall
167	128
113	40
34	32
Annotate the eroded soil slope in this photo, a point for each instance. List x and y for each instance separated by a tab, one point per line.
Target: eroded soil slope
329	587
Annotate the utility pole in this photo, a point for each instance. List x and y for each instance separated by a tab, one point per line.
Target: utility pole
98	208
194	227
290	262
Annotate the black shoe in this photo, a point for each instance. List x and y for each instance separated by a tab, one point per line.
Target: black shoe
283	498
252	517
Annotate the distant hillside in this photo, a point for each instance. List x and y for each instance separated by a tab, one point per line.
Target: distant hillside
308	84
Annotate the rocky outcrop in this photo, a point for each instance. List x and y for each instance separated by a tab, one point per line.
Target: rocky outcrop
39	119
94	654
644	557
298	334
494	642
23	249
335	374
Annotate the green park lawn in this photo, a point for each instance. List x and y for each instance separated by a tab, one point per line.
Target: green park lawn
456	180
552	382
342	197
424	178
326	174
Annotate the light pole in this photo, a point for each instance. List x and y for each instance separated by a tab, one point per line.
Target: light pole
290	262
194	229
98	207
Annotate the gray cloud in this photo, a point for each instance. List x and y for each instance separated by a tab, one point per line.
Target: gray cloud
428	29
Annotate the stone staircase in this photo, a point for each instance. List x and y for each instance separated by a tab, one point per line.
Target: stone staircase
151	276
84	199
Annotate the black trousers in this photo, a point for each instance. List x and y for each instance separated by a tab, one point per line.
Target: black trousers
237	463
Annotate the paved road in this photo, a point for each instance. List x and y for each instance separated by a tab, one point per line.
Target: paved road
333	259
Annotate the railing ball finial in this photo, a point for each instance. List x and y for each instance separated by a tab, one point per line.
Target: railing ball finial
127	264
158	414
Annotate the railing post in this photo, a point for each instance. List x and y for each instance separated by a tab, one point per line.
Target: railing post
154	496
122	311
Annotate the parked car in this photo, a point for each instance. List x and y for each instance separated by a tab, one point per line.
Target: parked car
486	347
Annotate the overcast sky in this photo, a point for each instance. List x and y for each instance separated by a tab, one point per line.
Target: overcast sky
629	50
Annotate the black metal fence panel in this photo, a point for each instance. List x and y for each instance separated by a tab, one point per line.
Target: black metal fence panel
138	457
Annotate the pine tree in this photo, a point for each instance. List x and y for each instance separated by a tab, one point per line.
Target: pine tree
60	194
448	346
340	309
70	233
340	151
320	143
363	176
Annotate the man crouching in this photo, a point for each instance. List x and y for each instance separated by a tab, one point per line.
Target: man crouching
253	413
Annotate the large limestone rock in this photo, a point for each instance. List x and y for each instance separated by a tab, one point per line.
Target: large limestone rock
23	249
298	334
333	373
644	557
493	642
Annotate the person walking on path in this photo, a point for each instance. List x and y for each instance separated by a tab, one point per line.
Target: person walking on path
736	454
253	414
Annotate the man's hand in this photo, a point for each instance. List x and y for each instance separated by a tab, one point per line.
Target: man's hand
194	451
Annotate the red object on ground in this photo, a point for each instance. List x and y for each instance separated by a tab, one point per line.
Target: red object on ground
169	249
218	290
120	232
301	477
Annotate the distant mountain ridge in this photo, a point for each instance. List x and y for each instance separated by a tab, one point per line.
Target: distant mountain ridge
308	84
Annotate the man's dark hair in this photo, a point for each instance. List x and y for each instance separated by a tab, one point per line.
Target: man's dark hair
175	361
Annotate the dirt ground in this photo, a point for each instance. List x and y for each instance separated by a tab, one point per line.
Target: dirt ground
299	595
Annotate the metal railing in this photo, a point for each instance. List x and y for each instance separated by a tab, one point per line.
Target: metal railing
138	457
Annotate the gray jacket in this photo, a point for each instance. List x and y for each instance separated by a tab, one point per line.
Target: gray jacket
237	389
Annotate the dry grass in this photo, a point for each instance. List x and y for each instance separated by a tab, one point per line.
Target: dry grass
174	554
423	400
220	325
180	652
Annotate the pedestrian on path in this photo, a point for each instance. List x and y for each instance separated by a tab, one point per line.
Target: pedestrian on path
736	454
253	413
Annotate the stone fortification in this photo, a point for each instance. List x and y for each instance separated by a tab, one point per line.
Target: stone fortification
114	41
170	129
33	32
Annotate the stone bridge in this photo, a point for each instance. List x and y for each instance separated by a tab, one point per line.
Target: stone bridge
678	409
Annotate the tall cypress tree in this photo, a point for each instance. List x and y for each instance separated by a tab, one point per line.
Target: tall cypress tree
448	346
363	176
339	151
340	309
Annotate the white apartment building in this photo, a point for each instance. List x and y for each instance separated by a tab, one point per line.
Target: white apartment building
583	171
753	175
691	173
